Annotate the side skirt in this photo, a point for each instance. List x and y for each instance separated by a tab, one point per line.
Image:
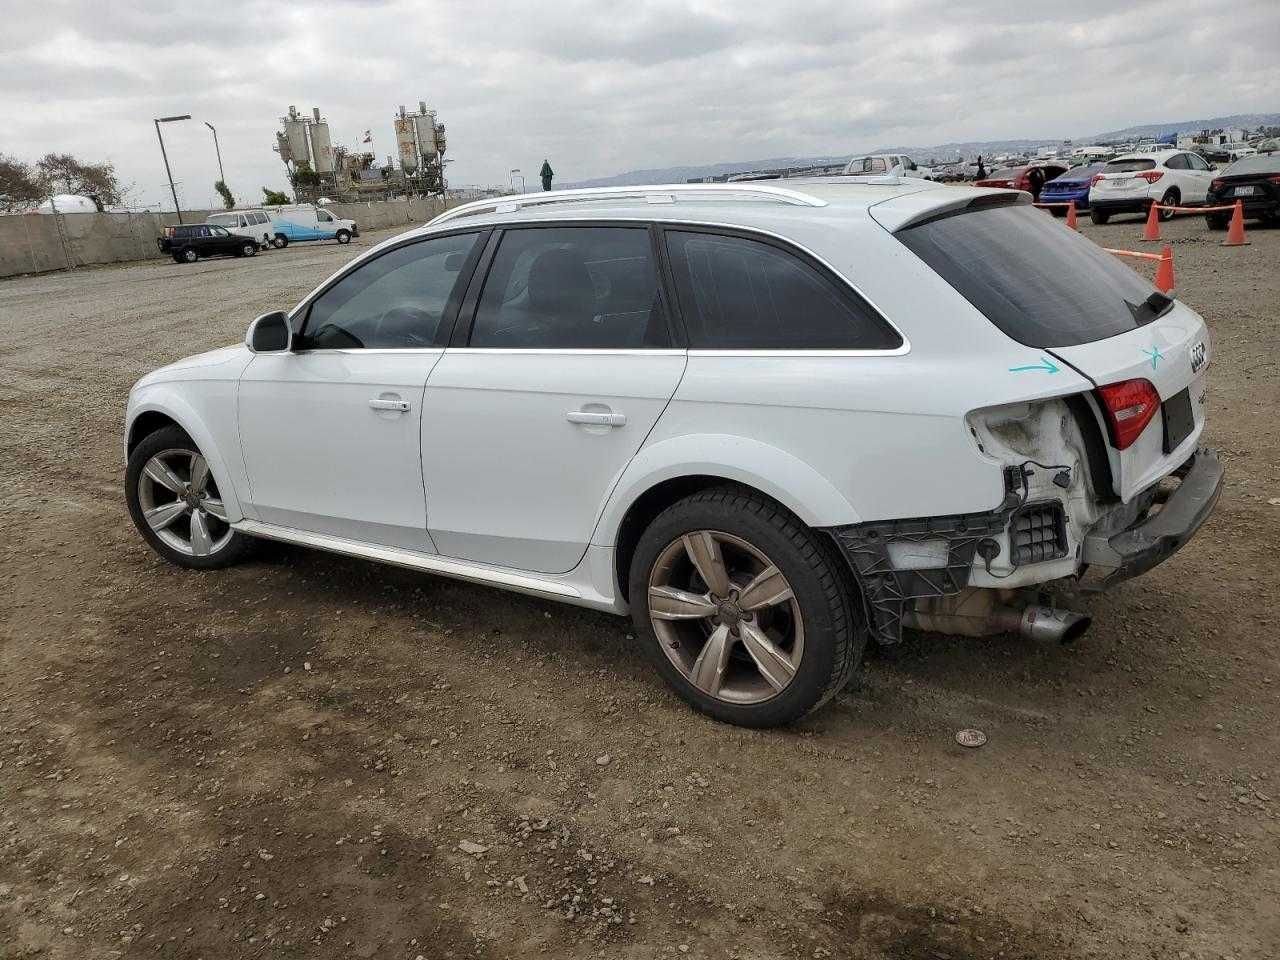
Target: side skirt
427	563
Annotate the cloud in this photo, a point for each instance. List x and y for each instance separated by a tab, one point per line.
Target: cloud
600	87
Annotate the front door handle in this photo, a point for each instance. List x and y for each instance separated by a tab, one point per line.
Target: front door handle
597	419
399	405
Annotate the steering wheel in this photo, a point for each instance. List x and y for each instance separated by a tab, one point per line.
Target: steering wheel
406	325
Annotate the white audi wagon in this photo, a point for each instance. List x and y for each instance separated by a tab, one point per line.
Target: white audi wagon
772	424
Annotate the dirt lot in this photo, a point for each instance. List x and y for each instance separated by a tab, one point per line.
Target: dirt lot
281	760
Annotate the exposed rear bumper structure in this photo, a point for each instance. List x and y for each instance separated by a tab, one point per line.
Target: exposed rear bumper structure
1155	535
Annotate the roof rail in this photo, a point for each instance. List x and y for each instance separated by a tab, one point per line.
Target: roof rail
656	194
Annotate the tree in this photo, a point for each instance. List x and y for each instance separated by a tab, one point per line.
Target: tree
63	173
20	187
228	200
274	197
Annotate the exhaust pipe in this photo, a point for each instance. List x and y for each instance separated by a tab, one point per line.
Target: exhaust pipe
1051	624
977	613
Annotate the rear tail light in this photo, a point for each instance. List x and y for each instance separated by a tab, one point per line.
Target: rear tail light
1129	407
1023	183
1215	185
1096	178
1151	176
1274	179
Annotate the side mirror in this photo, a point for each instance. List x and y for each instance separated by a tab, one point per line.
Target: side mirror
270	333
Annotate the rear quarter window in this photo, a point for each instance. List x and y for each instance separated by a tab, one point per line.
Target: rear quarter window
737	293
1040	283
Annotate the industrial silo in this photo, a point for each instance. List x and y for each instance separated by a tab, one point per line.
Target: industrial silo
426	127
295	131
406	143
321	148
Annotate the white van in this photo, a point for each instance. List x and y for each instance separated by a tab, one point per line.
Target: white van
306	221
246	223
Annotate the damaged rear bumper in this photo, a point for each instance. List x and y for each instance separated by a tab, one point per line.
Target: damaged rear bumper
1120	546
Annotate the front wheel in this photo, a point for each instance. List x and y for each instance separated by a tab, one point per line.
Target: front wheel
280	241
1098	217
744	610
176	505
249	250
343	236
190	255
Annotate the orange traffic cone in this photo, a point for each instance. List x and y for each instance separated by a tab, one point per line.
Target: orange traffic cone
1164	272
1152	230
1235	232
1071	214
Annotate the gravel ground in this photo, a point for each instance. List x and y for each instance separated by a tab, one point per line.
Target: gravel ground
307	756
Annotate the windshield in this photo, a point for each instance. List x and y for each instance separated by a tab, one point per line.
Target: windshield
1132	165
1042	285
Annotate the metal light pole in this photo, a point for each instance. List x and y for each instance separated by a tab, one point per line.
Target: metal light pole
172	189
221	175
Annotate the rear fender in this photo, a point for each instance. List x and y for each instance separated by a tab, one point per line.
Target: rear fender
774	472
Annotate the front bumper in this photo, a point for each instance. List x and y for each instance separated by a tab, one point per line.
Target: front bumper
1153	537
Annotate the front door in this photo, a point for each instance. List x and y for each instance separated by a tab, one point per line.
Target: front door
529	422
331	430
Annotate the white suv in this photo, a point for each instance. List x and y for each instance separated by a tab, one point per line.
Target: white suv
1131	183
771	423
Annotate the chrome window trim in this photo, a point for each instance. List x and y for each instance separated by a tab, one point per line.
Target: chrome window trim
904	348
577	351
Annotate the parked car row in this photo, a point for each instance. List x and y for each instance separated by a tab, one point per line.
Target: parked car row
242	233
1170	178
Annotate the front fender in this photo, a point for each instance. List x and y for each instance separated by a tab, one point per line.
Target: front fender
164	399
772	471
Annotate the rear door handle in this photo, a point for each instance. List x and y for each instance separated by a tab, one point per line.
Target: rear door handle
597	419
401	405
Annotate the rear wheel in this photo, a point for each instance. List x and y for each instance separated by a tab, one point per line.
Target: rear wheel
1170	199
743	609
1098	217
280	241
1058	211
176	505
1215	221
343	236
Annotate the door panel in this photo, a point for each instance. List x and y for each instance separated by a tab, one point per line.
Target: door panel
330	447
520	448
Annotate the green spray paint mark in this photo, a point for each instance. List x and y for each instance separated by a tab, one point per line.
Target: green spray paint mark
1046	365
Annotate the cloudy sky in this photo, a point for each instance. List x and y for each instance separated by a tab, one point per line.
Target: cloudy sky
602	87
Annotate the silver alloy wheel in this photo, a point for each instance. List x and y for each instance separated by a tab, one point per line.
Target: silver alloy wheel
726	617
180	502
190	255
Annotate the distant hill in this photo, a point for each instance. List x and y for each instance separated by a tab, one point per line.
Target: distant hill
941	151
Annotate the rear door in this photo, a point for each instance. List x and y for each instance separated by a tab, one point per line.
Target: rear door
561	365
1050	288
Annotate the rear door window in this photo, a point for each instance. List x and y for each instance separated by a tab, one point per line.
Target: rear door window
572	288
742	294
1042	285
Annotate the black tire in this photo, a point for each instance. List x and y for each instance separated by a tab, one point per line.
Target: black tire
343	236
834	635
1058	211
280	241
249	249
177	258
1098	217
1170	199
1216	221
189	255
236	547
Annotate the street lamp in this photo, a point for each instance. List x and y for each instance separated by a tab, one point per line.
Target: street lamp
221	175
173	190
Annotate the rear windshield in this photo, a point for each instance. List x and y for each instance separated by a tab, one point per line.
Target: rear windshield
1042	284
1005	173
1128	166
1261	163
1078	173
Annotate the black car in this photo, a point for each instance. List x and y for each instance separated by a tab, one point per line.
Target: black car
1255	181
187	243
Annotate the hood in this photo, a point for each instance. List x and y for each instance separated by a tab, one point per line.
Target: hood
225	363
